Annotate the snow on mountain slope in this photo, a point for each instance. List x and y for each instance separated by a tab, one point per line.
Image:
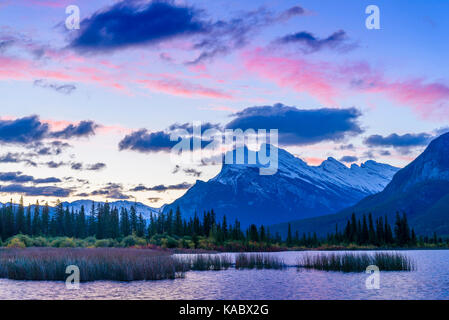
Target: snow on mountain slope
140	207
296	190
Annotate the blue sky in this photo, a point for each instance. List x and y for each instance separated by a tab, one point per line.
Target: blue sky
141	65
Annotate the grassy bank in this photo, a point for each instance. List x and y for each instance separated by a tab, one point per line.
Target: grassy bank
119	264
357	262
94	264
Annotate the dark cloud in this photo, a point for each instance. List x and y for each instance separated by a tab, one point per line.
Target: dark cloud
145	141
83	129
112	191
49	191
131	23
52	148
224	37
47	180
96	167
310	43
6	44
18	177
399	141
137	23
60	88
368	154
188	171
300	126
77	166
347	147
140	187
189	127
192	172
162	188
15	157
348	159
154	199
23	130
385	153
54	165
31	131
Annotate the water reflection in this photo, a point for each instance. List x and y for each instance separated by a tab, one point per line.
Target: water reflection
431	281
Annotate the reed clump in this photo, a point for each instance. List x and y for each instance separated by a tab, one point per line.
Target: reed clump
258	261
205	262
115	264
357	262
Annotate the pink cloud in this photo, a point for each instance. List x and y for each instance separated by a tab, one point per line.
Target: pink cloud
328	82
183	88
297	74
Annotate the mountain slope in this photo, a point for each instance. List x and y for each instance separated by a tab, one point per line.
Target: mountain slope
145	210
297	190
421	190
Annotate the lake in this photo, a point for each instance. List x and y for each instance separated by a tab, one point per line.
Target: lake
430	281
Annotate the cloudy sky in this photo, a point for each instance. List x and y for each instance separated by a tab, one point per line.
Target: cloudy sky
87	113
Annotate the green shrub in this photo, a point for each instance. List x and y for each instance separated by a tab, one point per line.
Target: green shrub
16	243
169	242
103	243
132	240
63	242
26	240
90	241
40	242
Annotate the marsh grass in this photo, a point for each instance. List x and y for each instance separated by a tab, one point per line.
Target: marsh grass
357	262
258	261
204	262
94	264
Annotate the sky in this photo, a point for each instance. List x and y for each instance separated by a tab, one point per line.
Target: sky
87	112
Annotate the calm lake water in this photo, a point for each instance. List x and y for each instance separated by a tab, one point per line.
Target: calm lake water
430	281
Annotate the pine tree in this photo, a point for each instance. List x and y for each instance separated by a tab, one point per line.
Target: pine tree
178	227
46	219
133	219
372	232
27	229
36	224
289	236
20	217
58	228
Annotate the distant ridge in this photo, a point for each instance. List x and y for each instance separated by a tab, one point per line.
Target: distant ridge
421	190
76	205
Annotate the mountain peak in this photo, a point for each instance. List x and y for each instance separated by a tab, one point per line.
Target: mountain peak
295	190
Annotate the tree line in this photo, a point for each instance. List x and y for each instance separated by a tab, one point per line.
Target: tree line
364	232
106	222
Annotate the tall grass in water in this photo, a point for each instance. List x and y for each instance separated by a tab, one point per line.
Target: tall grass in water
258	261
94	264
204	262
357	262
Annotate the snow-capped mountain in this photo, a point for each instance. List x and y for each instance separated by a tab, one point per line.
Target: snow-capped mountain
421	190
295	191
145	210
